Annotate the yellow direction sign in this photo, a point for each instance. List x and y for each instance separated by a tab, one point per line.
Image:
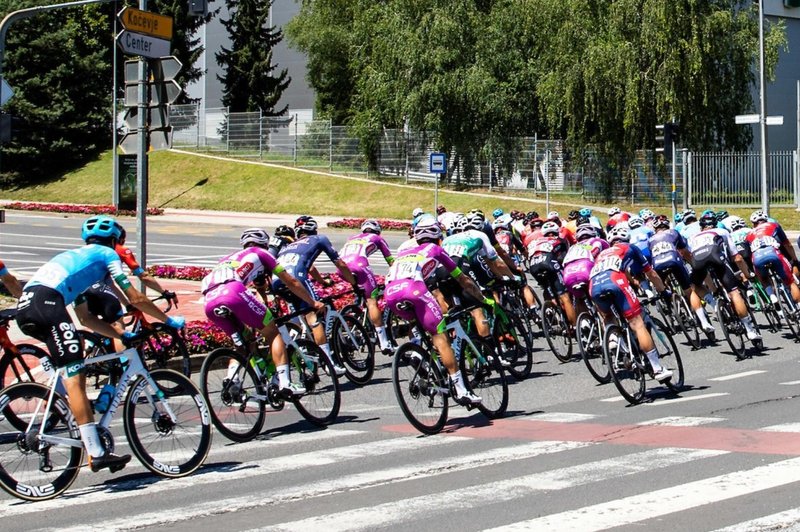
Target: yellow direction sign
139	21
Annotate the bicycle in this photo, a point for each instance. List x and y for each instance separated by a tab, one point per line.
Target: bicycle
555	326
589	329
237	387
165	419
422	385
20	362
513	333
628	365
786	304
687	320
732	326
358	310
759	300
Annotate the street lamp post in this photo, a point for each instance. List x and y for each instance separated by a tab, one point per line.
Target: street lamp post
762	77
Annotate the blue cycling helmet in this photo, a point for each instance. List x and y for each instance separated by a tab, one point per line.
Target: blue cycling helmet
678	217
497	213
100	227
586	212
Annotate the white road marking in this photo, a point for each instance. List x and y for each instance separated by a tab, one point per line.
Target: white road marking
686	399
786	520
790	383
783	427
613	399
561	417
738	375
682	421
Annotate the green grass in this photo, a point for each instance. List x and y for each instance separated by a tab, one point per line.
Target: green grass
191	182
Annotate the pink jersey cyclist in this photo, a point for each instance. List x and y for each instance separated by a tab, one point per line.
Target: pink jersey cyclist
357	250
579	261
226	286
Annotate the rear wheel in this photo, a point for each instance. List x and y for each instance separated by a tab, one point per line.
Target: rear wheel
732	327
687	320
28	364
668	355
353	347
516	346
420	388
484	376
321	402
788	306
590	342
556	331
626	372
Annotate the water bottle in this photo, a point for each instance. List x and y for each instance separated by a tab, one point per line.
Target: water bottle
103	400
751	297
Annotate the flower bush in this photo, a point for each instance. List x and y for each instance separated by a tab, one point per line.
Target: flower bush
202	337
82	209
355	223
169	271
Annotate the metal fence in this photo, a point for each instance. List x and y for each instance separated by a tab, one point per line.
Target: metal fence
536	167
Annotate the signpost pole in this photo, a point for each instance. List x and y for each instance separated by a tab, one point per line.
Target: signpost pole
762	77
114	139
141	162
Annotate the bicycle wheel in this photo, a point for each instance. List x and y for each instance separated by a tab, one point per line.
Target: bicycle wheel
420	388
687	320
516	346
165	347
627	374
233	394
352	346
590	343
28	470
668	354
789	308
397	329
556	331
28	364
167	447
732	327
322	400
765	305
484	375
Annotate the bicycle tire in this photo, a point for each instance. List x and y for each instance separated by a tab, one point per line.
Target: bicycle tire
627	374
485	377
516	347
20	473
396	327
732	328
237	404
165	345
591	347
322	400
170	449
687	320
556	331
789	308
764	303
420	388
29	364
668	354
354	349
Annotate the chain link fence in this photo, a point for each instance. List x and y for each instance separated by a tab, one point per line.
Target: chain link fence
537	167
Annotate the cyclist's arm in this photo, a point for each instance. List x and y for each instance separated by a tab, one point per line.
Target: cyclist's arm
385	251
11	282
315	275
141	302
296	288
467	284
742	264
150	282
94	323
345	271
499	268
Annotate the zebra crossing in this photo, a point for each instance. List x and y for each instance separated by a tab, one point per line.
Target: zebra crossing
345	479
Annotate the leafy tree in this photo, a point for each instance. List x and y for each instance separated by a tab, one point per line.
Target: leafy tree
249	81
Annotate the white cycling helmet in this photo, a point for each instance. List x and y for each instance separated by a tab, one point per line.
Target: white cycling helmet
613	211
619	234
475	221
428	229
371	226
585	231
737	223
256	236
502	222
758	216
635	222
549	228
417	212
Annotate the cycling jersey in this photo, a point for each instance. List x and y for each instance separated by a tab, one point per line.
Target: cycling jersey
297	257
410	243
726	223
511	243
765	244
468	246
609	278
405	285
3	269
712	249
578	263
640	237
664	246
546	254
689	230
249	265
129	259
742	244
355	254
447	219
616	219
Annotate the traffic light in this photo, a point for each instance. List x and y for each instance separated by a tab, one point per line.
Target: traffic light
198	8
791	3
666	138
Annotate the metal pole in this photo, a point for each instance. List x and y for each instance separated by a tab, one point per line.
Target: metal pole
114	139
546	181
141	162
762	81
674	182
436	191
685	176
796	176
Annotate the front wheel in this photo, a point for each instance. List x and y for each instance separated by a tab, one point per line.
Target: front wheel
687	320
484	376
556	331
732	327
235	397
668	354
590	342
322	399
28	364
516	346
351	344
29	470
626	372
169	426
420	388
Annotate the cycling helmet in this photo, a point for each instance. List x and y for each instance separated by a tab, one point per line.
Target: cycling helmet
635	222
709	211
497	213
572	215
661	222
475	221
428	229
758	217
502	222
552	215
122	233
284	231
586	212
708	220
613	211
584	232
441	209
550	228
689	215
102	227
721	215
371	226
532	214
417	212
460	224
646	214
478	212
737	223
306	224
517	215
256	236
678	217
619	234
537	222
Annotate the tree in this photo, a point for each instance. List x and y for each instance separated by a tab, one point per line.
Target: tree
249	81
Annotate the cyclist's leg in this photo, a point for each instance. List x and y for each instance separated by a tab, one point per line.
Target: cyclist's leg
731	283
367	283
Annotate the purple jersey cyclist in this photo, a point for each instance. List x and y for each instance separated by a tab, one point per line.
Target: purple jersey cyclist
229	304
409	297
579	259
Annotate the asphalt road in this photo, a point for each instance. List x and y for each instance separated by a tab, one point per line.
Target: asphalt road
570	454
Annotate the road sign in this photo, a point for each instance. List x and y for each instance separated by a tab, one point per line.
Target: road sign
161	93
148	23
747	119
775	120
144	45
166	68
438	163
6	92
157	117
157	139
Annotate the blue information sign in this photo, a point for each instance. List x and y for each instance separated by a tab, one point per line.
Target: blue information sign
438	163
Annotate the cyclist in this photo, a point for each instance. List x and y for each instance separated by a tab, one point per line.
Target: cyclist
678	221
518	221
640	234
771	248
670	254
648	217
229	304
572	221
563	232
129	259
579	261
283	235
405	287
546	255
11	283
476	216
497	213
725	220
690	224
739	233
610	276
713	249
355	254
42	314
586	214
616	216
445	218
298	258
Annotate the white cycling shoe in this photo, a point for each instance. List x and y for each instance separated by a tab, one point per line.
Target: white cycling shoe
662	375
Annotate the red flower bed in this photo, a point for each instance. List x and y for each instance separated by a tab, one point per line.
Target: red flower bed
188	273
355	223
203	337
82	209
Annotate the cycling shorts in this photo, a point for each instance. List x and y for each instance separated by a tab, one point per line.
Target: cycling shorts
364	276
294	301
767	257
41	314
412	300
613	289
678	269
576	273
244	307
720	266
548	274
103	302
